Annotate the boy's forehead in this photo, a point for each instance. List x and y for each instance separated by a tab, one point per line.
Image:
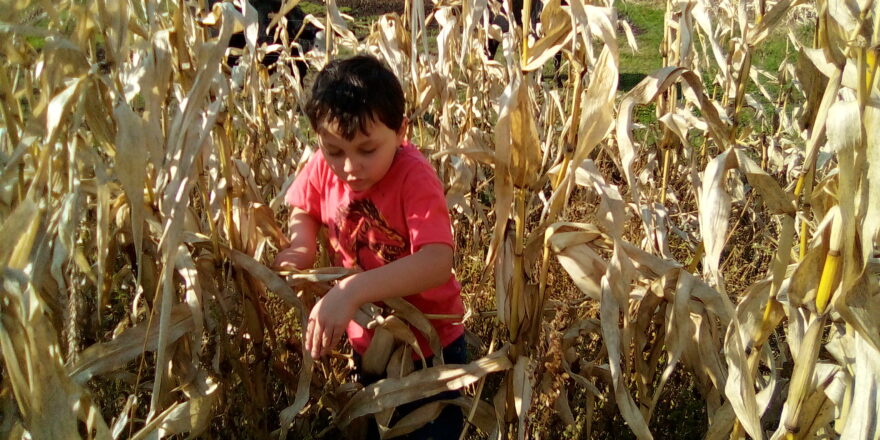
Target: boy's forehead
328	128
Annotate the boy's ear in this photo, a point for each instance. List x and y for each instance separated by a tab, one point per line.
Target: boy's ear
401	132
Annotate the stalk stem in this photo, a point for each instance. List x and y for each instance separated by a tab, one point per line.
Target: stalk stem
666	159
526	28
518	282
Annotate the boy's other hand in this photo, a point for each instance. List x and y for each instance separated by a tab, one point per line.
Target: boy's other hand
292	259
279	266
329	319
300	254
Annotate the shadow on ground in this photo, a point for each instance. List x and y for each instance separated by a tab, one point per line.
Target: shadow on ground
626	81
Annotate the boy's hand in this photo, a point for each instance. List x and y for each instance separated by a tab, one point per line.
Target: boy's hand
429	267
329	318
300	254
292	259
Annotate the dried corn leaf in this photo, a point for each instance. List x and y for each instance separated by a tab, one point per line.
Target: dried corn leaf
18	233
805	279
109	356
679	327
771	19
861	422
115	17
597	99
739	387
596	21
523	383
556	23
59	109
194	300
376	357
403	333
504	279
403	309
646	91
337	24
611	211
859	306
49	402
777	200
387	39
187	135
615	292
285	8
818	409
154	84
525	147
714	203
280	288
131	168
189	417
483	419
416	419
389	393
801	380
583	264
871	226
472	12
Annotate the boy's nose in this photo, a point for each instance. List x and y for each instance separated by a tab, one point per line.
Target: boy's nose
349	165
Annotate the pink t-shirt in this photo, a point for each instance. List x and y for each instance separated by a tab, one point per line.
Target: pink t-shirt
402	212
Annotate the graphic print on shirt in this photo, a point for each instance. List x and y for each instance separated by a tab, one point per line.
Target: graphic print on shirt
364	233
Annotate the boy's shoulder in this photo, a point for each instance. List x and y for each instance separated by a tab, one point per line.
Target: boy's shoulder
410	159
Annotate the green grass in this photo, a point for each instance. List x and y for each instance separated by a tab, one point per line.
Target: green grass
314	8
646	17
646	21
770	53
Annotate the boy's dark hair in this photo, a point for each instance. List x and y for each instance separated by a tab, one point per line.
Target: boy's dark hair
354	91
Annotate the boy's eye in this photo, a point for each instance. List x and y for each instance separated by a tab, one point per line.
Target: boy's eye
333	153
368	152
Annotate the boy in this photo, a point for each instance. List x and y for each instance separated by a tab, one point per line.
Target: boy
385	212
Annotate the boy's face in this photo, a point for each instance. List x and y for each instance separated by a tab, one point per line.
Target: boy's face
364	160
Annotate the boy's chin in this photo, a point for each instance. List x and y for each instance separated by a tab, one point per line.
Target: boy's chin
358	185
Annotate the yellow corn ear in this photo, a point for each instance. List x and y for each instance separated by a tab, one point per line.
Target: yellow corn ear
803	247
826	283
832	265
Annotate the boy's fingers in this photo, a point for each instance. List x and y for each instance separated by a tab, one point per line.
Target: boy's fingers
326	340
314	332
332	335
316	341
308	334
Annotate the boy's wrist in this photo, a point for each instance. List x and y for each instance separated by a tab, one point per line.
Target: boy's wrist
352	292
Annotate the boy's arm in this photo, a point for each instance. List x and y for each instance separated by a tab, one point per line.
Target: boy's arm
429	267
303	245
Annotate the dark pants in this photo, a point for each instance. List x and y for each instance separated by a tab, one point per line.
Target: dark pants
449	423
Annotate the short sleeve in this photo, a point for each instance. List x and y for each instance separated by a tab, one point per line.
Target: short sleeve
424	203
305	192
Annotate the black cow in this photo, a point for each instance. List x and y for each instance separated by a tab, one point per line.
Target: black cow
501	21
295	21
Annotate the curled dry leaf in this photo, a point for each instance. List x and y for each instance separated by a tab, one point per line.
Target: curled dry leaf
389	393
109	356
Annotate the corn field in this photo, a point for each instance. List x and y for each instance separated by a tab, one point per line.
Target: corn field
717	225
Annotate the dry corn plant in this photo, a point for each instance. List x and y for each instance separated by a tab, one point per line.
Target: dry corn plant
140	183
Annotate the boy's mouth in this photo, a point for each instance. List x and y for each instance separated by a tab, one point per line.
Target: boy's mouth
356	183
